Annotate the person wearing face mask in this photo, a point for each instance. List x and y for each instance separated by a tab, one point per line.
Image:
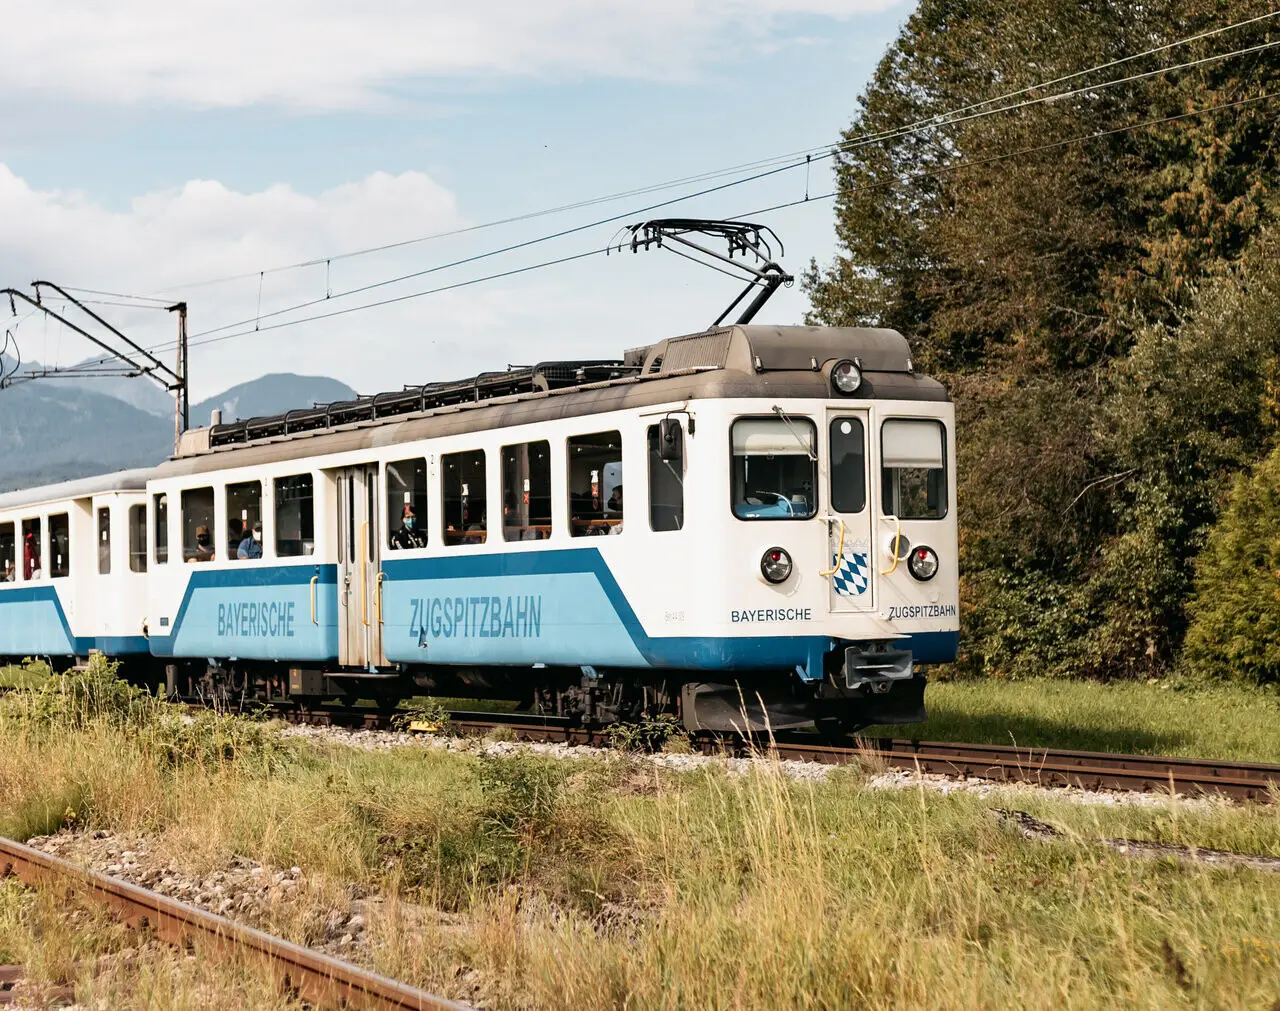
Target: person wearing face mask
408	536
204	546
251	546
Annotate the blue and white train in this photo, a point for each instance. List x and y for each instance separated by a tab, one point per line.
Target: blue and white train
785	549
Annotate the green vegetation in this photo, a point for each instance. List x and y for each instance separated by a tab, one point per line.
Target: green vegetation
1165	718
599	883
23	676
1103	302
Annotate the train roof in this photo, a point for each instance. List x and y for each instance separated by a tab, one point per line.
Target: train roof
121	480
731	361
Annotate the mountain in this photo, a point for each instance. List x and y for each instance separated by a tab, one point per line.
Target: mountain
56	430
271	394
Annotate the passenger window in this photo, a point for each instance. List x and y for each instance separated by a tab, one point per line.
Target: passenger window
31	549
666	479
914	475
848	466
526	491
407	504
60	546
8	554
295	516
775	468
162	528
104	541
244	520
595	484
463	488
138	538
197	525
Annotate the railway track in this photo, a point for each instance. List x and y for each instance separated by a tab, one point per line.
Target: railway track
314	977
1248	781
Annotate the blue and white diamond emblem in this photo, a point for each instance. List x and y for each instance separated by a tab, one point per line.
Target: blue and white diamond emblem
853	570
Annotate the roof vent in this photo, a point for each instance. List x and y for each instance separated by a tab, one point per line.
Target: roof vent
215	417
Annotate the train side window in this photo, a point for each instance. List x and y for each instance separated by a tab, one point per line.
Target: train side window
197	525
104	541
60	546
595	484
526	491
31	549
463	491
295	516
8	553
914	475
666	482
244	519
407	504
138	538
775	468
162	528
848	466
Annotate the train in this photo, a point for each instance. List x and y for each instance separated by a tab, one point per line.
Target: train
751	527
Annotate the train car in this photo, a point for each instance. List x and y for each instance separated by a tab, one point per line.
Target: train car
73	569
784	553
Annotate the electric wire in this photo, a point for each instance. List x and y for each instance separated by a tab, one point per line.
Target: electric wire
822	151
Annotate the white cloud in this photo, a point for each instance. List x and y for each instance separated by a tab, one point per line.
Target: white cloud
170	240
338	54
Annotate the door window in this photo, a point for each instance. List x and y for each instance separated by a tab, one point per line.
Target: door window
162	528
848	466
775	468
104	541
914	475
666	483
60	545
138	538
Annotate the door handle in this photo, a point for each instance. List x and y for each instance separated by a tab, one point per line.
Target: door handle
314	580
839	551
897	543
378	598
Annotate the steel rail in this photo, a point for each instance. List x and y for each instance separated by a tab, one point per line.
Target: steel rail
315	977
1051	767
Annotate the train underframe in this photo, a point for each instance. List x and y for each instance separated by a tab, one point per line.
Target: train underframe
863	685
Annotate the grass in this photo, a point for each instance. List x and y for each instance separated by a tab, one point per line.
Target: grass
28	676
1167	718
601	884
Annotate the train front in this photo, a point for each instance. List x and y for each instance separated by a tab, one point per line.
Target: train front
841	561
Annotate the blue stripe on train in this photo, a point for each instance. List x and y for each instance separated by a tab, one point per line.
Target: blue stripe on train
33	623
560	607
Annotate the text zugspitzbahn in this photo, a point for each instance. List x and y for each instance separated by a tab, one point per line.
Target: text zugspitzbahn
509	617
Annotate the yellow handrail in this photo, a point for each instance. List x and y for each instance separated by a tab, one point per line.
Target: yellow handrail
364	572
314	580
378	598
839	553
895	543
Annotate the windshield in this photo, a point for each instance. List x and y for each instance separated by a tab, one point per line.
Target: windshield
775	470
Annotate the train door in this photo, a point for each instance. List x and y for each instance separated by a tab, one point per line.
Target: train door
851	556
359	568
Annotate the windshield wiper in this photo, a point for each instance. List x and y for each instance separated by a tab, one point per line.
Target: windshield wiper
786	420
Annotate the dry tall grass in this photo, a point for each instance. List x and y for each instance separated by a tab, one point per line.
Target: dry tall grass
611	884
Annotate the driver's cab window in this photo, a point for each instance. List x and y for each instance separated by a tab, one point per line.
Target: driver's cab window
775	468
914	469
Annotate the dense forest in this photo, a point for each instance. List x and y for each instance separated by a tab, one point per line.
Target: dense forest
1097	279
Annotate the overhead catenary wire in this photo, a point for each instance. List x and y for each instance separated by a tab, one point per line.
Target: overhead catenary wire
807	154
886	135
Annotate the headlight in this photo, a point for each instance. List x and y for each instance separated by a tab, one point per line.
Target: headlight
923	563
846	377
775	565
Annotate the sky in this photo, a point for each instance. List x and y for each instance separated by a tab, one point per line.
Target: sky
188	152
